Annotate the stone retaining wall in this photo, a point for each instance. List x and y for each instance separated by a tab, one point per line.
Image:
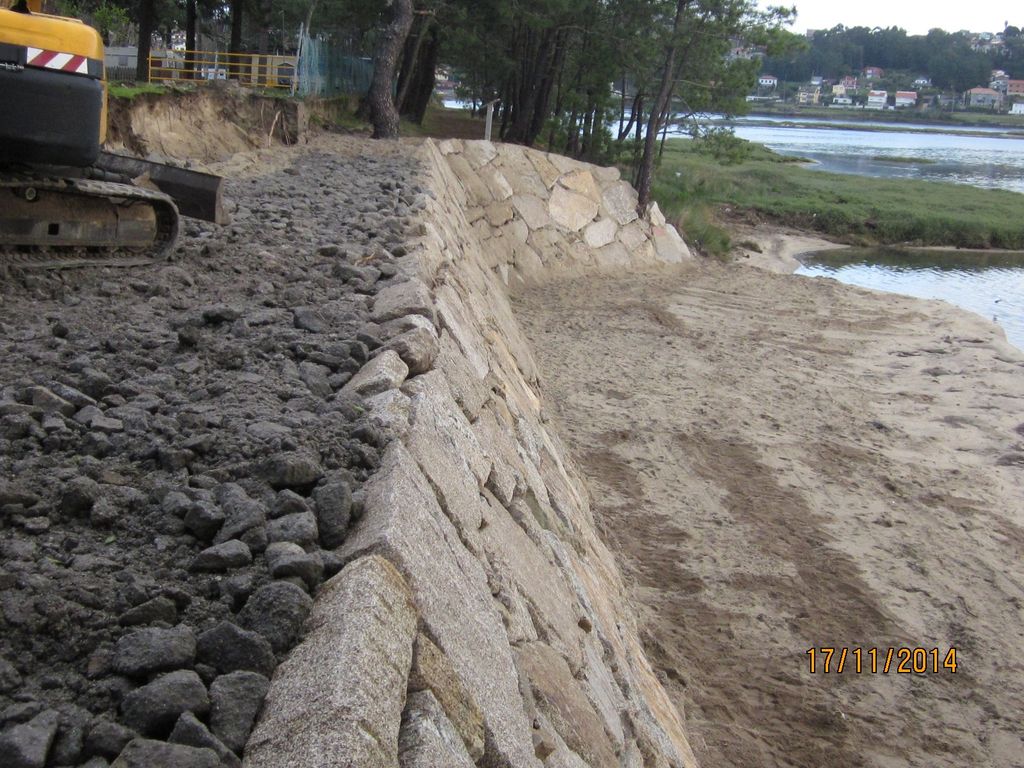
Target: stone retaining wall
479	620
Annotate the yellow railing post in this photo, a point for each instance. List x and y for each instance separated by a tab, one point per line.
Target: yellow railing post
252	69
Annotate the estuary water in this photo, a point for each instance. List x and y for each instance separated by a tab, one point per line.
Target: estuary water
990	159
988	284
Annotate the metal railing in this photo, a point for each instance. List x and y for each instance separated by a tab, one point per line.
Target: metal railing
260	70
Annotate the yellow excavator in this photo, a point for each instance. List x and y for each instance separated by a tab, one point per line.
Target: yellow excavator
64	201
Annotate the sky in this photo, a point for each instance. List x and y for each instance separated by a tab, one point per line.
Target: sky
915	16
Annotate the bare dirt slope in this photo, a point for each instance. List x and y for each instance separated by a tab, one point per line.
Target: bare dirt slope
784	463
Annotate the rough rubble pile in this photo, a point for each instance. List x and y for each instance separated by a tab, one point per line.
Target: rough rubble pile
182	449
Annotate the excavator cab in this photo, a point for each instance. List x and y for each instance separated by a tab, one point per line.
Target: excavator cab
53	92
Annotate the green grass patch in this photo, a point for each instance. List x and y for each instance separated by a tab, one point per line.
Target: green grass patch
443	123
692	187
130	90
893	116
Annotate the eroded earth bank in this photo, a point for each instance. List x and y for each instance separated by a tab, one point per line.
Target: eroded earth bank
783	463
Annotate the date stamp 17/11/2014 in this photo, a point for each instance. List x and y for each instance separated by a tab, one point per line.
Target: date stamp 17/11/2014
873	661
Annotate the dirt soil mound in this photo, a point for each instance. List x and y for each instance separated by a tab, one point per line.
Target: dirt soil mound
204	124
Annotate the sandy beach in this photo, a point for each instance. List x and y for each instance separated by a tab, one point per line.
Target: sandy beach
783	463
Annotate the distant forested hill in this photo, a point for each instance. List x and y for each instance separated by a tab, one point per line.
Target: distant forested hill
954	61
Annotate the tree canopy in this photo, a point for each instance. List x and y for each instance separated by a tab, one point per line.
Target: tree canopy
953	61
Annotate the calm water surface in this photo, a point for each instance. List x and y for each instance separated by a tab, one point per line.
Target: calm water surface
991	285
983	161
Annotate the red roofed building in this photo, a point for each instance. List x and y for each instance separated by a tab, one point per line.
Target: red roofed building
906	99
984	97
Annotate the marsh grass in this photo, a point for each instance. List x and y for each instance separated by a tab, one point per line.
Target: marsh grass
692	187
130	90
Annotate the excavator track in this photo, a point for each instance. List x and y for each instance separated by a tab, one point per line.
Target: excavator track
48	222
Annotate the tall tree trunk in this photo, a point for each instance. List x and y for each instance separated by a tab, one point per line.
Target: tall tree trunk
586	147
540	112
558	103
147	20
410	61
235	45
643	186
665	120
190	38
422	87
383	113
634	112
622	108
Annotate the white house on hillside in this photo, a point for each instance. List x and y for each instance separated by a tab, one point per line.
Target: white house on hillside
877	99
767	81
906	99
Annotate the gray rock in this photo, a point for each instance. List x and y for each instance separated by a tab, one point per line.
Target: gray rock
235	701
368	275
204	519
50	402
333	499
268	430
241	513
95	762
315	377
10	678
220	313
277	611
288	502
107	738
417	348
285	560
384	372
96	383
403	519
427	738
106	425
21	712
291	470
255	538
67	748
411	297
104	513
159	609
154	650
222	557
53	422
87	415
79	495
346	679
228	648
19	425
146	753
176	503
72	395
308	319
12	494
154	708
27	745
192	733
298	527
